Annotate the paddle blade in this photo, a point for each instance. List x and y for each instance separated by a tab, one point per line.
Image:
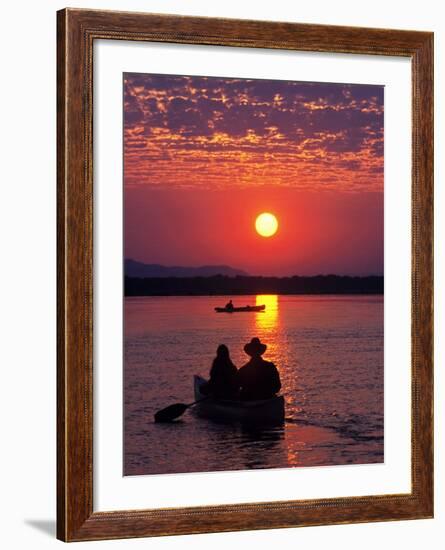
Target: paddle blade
170	413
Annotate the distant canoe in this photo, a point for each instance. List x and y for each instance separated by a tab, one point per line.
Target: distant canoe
239	309
265	411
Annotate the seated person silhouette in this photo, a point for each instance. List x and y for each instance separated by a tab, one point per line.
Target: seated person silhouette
258	379
223	383
229	305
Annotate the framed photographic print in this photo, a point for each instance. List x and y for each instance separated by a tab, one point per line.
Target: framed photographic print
244	275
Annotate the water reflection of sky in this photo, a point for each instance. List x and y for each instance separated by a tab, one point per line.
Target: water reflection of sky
328	351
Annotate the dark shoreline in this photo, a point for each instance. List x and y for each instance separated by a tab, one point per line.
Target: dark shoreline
236	286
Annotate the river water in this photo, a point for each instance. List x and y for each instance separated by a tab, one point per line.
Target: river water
328	350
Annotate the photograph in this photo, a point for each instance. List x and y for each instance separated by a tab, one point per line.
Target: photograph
253	274
244	273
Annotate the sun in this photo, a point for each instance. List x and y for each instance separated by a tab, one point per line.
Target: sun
266	224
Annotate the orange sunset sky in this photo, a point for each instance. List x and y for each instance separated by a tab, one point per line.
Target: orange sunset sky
204	156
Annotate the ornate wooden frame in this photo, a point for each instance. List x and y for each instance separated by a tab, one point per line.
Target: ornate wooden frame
77	30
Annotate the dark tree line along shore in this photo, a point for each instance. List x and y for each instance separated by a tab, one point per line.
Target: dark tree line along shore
232	286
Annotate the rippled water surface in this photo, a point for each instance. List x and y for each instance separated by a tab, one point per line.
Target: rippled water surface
328	350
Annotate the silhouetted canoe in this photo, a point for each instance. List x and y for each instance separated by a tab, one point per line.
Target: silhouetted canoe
265	411
239	309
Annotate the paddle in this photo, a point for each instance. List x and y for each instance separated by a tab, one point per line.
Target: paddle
175	411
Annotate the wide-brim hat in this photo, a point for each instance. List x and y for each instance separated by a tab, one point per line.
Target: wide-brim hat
255	347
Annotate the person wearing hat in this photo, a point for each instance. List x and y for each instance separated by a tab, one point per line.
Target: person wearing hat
258	379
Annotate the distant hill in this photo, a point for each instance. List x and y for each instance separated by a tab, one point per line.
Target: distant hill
141	270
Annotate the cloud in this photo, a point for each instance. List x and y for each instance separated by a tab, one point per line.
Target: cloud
219	132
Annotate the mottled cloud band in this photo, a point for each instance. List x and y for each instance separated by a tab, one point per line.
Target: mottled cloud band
211	133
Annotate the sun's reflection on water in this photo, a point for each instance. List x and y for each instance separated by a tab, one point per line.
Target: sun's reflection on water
268	319
266	322
270	330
